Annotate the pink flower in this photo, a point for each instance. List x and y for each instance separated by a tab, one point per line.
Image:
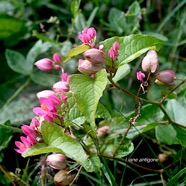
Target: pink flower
63	97
165	77
48	108
23	145
34	123
45	93
65	77
27	129
87	67
57	58
94	55
113	51
150	62
103	131
116	46
87	35
61	86
140	76
45	64
56	161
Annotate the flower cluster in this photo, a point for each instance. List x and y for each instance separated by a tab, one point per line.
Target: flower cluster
94	57
47	64
87	36
113	51
150	65
31	133
51	102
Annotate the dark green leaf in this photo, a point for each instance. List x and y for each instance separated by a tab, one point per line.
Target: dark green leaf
11	29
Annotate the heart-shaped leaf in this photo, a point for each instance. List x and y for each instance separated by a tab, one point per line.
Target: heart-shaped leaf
87	92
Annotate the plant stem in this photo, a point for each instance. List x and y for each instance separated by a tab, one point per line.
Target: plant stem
122	140
122	89
165	97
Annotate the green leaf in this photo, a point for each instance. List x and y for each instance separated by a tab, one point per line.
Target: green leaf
11	29
177	111
125	149
166	134
37	49
181	134
132	18
117	21
73	111
87	92
80	22
74	7
102	112
40	78
132	46
17	62
150	126
122	71
57	141
175	180
5	136
19	110
172	134
76	51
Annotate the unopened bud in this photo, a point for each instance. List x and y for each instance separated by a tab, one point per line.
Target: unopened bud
45	93
150	62
56	161
94	55
57	58
44	64
61	86
140	76
103	130
63	178
165	77
88	68
163	157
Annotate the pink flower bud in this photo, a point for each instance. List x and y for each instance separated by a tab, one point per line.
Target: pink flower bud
116	46
45	64
61	86
140	76
165	77
94	55
63	178
90	31
87	35
57	67
103	130
45	93
150	62
113	52
57	58
56	161
88	68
